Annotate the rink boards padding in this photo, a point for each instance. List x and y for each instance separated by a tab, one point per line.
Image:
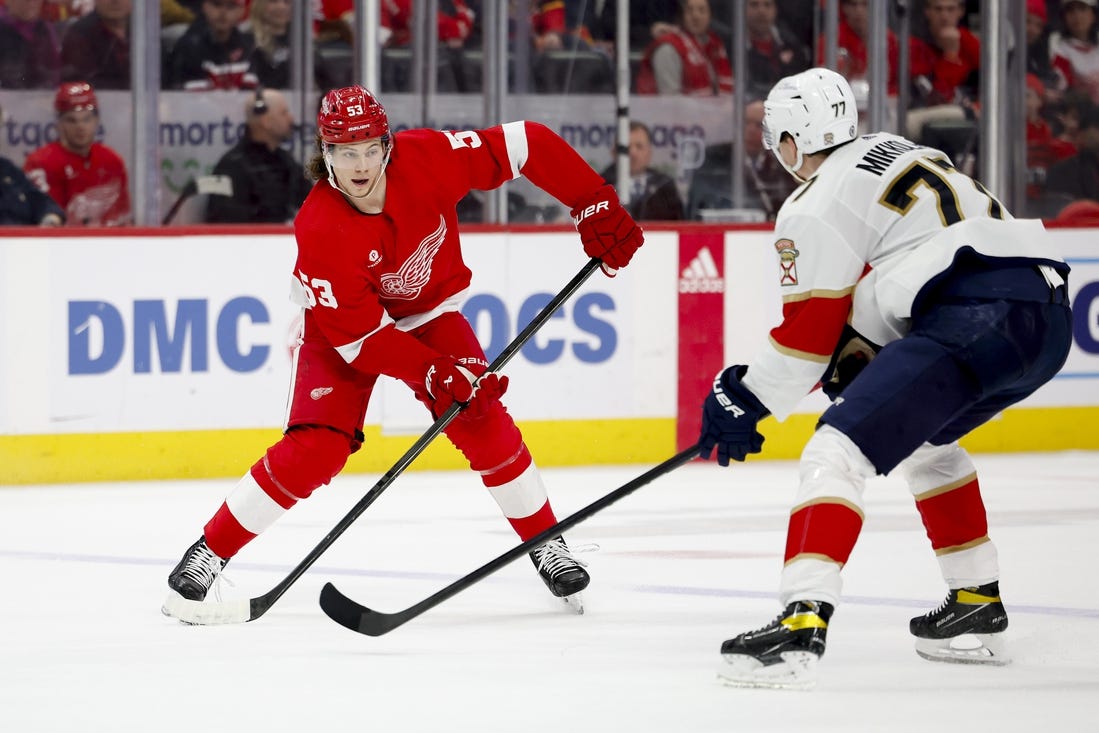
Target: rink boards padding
138	353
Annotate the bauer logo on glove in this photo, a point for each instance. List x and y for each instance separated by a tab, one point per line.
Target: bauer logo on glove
606	229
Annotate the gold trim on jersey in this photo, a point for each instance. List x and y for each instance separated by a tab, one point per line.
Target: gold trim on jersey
819	293
900	195
964	546
829	500
946	488
799	192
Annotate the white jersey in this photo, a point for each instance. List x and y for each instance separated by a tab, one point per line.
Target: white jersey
887	215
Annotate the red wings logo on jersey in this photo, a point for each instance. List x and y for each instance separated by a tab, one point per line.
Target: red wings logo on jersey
407	282
787	262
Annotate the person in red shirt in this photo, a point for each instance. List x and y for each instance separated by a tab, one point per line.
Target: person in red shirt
380	276
944	64
85	177
853	33
688	59
1043	149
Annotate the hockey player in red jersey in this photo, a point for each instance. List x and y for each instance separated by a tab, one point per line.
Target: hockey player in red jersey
924	308
380	276
85	177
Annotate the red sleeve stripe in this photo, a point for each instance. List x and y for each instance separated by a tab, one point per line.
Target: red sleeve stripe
812	327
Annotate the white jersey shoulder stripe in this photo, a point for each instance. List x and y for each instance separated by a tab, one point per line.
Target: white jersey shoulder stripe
515	137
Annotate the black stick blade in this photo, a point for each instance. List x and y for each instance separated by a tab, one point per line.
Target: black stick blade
351	615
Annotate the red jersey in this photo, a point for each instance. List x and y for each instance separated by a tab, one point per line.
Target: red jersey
358	273
706	67
945	75
93	190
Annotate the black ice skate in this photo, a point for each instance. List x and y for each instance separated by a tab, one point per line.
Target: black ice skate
967	628
782	654
196	572
563	574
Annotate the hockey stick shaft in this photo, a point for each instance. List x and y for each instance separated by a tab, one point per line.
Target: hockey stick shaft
234	611
363	620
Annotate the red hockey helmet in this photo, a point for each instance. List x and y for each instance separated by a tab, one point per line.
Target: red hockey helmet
351	115
75	96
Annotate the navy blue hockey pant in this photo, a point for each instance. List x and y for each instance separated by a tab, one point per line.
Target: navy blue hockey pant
963	361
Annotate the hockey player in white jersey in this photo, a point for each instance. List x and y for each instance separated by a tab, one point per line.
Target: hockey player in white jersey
923	309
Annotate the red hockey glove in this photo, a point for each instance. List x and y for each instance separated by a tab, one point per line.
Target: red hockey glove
448	382
607	229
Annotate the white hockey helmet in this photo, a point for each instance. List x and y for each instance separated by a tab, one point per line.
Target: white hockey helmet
816	108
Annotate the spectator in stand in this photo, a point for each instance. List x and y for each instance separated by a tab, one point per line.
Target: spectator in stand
767	182
21	202
268	184
1043	150
854	31
653	195
332	21
270	26
1078	176
455	22
687	59
86	178
1039	59
1075	52
213	53
96	47
1064	115
774	51
944	64
30	54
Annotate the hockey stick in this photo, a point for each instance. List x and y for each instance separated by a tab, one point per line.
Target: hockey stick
356	617
235	612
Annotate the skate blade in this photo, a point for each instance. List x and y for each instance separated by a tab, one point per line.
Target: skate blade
796	671
575	603
965	649
205	613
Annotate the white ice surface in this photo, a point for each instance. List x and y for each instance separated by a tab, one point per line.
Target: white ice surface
684	563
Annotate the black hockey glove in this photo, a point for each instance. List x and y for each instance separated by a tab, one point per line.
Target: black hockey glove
730	414
851	356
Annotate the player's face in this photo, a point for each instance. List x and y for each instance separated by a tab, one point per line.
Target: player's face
357	165
77	129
